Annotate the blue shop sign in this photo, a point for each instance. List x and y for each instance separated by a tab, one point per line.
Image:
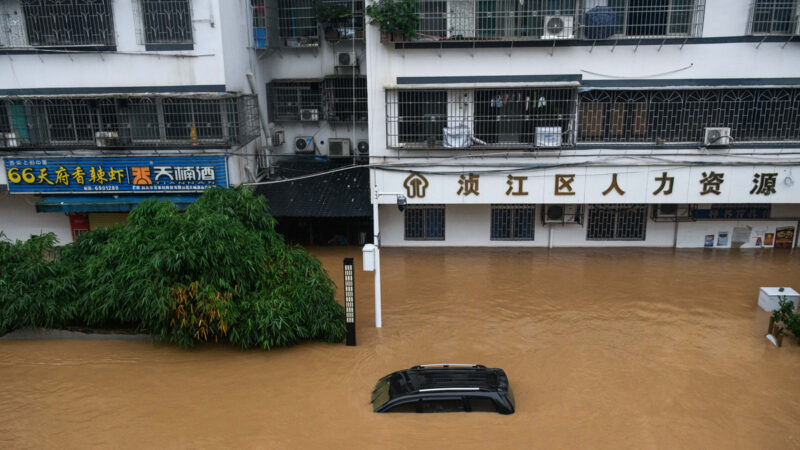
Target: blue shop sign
124	174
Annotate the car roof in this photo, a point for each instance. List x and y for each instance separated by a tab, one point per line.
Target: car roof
443	378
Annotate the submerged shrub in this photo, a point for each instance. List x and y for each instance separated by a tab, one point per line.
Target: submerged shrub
219	271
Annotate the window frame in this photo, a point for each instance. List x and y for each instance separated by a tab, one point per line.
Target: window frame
424	226
616	233
154	43
39	28
793	8
514	210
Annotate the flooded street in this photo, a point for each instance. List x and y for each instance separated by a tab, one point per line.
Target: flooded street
609	348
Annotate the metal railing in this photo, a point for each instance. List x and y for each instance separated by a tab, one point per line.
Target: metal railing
336	99
780	17
480	118
297	23
294	23
163	21
126	121
477	20
59	23
676	116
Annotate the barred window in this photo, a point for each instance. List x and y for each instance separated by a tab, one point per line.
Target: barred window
421	116
297	22
617	223
424	222
288	100
682	115
68	22
346	99
774	17
167	21
512	222
5	124
654	18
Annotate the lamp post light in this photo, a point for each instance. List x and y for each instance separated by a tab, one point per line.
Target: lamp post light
401	205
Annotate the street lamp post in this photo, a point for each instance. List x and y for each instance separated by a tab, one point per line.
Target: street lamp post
401	204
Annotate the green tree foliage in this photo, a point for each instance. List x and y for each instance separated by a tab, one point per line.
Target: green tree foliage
217	271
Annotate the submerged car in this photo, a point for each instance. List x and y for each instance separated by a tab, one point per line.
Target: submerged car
444	388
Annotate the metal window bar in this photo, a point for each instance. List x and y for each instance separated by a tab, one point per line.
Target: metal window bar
71	23
513	222
424	222
478	20
681	116
481	118
297	23
349	25
265	24
295	100
345	99
617	223
164	21
128	121
777	17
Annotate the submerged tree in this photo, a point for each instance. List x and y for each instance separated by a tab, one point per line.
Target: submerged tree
219	271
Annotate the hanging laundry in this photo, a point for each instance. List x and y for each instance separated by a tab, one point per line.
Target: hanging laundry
527	102
542	102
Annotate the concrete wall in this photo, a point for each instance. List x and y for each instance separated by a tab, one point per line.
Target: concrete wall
470	226
19	219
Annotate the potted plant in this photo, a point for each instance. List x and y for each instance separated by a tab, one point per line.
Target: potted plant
332	17
398	19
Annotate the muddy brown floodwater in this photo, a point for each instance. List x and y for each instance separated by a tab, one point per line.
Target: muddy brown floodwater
604	349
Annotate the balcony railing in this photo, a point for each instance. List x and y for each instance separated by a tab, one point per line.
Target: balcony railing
776	17
128	122
335	99
479	20
531	117
295	23
51	23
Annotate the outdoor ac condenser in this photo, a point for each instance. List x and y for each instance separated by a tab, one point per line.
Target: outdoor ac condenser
548	136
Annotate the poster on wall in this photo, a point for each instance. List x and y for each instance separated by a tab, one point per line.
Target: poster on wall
769	238
784	237
722	239
709	242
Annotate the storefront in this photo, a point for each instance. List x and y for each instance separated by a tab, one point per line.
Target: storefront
70	196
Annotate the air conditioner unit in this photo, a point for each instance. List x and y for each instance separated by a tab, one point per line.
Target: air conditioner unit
339	148
309	115
106	138
304	145
346	59
671	211
278	138
562	214
548	136
717	137
363	148
559	27
9	140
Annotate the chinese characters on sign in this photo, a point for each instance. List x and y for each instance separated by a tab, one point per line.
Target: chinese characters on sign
133	174
614	186
512	180
711	183
469	185
764	183
665	181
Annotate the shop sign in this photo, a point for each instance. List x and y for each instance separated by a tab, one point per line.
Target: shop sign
125	174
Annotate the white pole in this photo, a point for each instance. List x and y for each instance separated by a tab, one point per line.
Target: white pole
375	240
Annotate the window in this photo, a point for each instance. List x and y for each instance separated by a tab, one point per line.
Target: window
68	22
481	404
288	99
69	121
442	405
421	117
424	223
657	17
617	223
408	407
167	21
512	222
346	99
774	17
297	23
193	120
5	124
515	116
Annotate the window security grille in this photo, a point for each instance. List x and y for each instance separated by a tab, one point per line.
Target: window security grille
353	22
774	17
297	23
129	121
165	21
512	222
480	118
754	115
346	99
558	19
69	23
617	223
424	223
287	99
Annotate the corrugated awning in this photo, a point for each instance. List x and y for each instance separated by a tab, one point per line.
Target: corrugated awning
105	203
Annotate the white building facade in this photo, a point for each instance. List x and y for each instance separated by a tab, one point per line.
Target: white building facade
589	123
108	102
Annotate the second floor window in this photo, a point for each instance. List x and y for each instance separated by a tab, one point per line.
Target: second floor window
167	21
775	17
68	23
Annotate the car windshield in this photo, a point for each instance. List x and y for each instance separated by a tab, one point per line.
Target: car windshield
381	393
510	397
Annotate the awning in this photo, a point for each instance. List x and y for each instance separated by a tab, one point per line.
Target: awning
105	203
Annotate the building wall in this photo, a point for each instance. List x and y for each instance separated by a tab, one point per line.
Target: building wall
19	219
